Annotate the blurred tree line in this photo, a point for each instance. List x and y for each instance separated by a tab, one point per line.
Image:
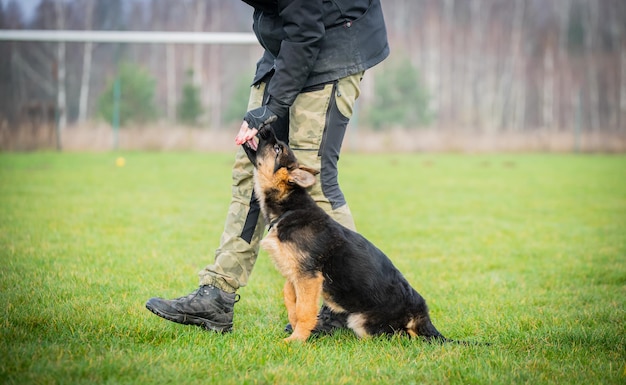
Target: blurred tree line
475	65
516	65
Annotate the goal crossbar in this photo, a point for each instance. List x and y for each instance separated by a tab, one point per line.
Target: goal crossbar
128	36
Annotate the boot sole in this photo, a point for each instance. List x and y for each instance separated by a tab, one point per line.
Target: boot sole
191	320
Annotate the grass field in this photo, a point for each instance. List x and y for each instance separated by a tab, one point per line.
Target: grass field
527	252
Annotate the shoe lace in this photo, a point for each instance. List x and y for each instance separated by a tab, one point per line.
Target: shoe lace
237	296
189	296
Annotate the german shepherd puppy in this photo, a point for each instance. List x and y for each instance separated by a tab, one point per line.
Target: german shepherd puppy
320	257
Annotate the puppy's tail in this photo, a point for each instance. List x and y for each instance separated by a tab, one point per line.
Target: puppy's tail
421	326
424	328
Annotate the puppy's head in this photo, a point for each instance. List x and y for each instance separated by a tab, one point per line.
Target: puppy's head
275	163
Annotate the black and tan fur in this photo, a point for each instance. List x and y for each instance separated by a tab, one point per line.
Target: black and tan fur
321	258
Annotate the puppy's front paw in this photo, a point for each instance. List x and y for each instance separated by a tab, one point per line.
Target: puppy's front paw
296	338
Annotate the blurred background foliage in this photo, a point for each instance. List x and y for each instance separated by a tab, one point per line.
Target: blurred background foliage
552	73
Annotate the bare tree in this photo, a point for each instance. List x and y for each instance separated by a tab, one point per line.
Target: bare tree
620	41
563	10
170	66
432	55
170	58
448	71
548	86
591	26
474	58
61	101
507	90
198	49
87	55
215	77
622	103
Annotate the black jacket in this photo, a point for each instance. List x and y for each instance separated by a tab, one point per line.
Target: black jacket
310	42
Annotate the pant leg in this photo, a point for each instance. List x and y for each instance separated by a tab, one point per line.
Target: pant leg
239	243
318	121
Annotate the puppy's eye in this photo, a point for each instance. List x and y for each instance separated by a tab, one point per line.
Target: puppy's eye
277	149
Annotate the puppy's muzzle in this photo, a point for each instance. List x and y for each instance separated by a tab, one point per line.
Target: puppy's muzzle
265	132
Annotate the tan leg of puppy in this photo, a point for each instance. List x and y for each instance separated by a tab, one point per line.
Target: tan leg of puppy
308	293
289	295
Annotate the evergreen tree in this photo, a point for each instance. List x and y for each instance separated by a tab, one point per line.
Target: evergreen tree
400	98
136	98
237	107
190	108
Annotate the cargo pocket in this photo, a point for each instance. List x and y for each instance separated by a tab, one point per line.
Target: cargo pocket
307	118
348	91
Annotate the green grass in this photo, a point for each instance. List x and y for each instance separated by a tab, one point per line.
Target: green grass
527	252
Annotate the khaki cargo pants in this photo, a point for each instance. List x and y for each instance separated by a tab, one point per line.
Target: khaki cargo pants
314	129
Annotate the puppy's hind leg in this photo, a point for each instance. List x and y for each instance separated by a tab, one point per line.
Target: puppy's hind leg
289	296
308	292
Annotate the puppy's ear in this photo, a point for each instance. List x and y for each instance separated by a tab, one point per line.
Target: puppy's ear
309	169
302	177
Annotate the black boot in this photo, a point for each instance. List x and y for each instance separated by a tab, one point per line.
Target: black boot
208	306
327	322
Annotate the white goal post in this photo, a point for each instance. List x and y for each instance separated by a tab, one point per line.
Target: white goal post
67	36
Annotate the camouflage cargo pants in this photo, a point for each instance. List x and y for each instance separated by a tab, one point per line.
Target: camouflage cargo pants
314	129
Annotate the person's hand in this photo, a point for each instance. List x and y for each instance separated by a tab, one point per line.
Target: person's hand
246	135
259	117
253	121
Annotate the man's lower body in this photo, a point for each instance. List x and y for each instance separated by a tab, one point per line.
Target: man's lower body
314	129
